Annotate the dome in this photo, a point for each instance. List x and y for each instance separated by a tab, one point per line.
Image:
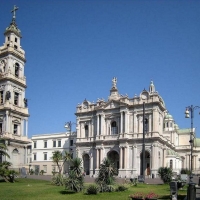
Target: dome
168	116
176	126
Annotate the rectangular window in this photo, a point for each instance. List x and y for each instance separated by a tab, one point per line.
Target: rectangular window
8	38
45	168
35	156
15	127
54	143
59	143
45	144
71	142
15	39
16	98
35	145
45	156
1	96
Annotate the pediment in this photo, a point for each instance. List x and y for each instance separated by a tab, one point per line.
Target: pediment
112	105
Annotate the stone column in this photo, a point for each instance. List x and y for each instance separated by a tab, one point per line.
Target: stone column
164	156
127	157
121	123
91	163
150	123
97	159
134	156
127	122
26	127
155	120
152	157
124	157
120	159
97	124
6	122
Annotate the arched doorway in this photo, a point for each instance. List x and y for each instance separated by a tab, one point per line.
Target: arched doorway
15	158
147	163
114	157
86	164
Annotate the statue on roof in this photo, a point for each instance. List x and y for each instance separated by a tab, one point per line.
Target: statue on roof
114	81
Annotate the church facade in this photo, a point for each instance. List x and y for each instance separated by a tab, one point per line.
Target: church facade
13	103
114	129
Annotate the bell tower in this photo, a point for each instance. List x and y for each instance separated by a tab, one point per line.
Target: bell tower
13	103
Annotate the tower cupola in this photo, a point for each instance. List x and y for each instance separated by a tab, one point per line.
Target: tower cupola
12	33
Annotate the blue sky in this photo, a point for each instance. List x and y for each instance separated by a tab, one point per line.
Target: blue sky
74	49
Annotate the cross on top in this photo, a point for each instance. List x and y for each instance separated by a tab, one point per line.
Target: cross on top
14	12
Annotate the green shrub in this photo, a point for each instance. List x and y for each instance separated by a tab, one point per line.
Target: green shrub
93	189
121	188
185	171
58	180
165	174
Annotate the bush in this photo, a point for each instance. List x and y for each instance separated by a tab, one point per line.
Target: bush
121	188
58	180
165	174
185	171
93	189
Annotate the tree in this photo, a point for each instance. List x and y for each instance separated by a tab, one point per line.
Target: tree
60	159
107	171
3	148
165	174
7	174
75	178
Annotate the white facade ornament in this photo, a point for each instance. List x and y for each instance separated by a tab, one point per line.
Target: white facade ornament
114	82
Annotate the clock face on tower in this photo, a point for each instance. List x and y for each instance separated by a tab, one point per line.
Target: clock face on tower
85	105
144	96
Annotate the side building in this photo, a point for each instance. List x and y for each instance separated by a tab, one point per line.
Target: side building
43	147
13	103
114	129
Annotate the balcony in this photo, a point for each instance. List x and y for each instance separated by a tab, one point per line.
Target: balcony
11	76
8	105
11	136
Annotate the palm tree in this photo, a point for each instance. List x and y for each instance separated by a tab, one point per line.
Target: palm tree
60	159
3	149
76	166
75	178
106	174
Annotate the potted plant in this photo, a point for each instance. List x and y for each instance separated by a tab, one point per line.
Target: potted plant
151	196
137	196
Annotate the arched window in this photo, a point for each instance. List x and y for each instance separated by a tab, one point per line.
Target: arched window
114	128
167	124
15	151
171	164
86	131
16	69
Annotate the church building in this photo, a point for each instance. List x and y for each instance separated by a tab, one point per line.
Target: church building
114	129
13	103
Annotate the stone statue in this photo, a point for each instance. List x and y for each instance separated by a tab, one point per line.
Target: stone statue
2	66
114	81
8	95
25	102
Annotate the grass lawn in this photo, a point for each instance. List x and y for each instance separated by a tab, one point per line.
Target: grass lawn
27	189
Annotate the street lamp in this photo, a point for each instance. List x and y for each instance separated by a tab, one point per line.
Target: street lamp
189	113
68	126
145	122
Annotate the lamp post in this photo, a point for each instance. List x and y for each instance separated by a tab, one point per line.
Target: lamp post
68	126
145	122
189	113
